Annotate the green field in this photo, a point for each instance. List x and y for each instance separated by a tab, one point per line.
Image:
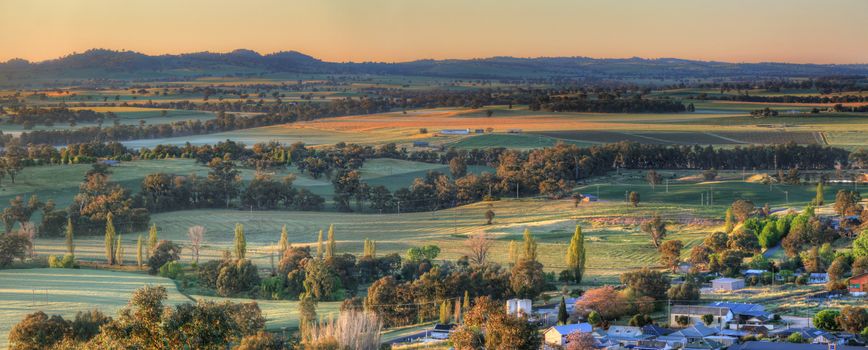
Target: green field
67	291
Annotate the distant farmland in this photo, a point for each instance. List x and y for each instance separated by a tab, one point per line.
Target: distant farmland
688	137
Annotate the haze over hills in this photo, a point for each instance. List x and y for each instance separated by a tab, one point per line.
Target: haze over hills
108	64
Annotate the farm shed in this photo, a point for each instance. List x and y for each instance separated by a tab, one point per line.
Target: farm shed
421	144
455	131
725	283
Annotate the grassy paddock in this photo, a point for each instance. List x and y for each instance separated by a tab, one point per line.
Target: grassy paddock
67	291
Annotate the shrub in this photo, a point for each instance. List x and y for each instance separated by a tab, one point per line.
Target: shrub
171	269
237	276
272	288
164	252
38	331
66	262
207	273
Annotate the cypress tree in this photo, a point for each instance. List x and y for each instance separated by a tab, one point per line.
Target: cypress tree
152	239
331	247
319	245
529	246
819	199
109	239
729	221
70	245
563	316
284	241
240	242
576	255
139	257
119	251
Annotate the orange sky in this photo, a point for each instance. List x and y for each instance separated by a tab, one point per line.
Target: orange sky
820	31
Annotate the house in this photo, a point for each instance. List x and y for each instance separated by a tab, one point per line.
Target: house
858	285
442	331
752	272
455	131
626	335
514	131
695	332
703	344
724	340
818	278
479	131
110	162
516	306
746	314
727	284
764	345
694	313
655	330
810	335
557	335
652	345
421	144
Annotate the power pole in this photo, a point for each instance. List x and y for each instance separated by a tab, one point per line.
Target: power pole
516	190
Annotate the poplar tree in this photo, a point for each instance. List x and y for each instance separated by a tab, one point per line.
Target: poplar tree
283	245
319	245
331	247
119	251
139	256
513	252
466	300
729	221
445	313
70	245
819	199
109	239
240	242
576	255
370	249
530	246
152	239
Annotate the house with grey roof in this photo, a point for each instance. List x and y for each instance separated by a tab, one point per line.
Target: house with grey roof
722	315
764	345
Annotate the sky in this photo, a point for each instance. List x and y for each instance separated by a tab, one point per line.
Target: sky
799	31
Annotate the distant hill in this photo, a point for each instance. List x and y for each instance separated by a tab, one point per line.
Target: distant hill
129	65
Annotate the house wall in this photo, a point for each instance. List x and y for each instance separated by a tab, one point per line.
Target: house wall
553	337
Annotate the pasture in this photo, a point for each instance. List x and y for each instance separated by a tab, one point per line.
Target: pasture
67	291
614	238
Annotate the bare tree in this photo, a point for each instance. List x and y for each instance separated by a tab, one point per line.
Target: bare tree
197	236
28	230
479	245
